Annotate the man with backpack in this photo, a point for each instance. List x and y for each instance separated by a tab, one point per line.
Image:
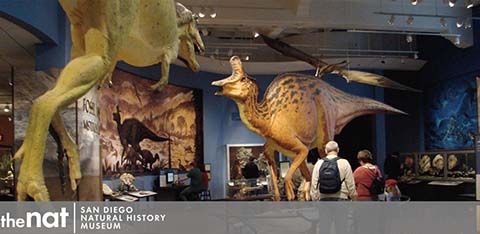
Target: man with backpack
332	178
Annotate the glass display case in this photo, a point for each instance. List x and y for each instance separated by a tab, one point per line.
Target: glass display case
6	172
439	165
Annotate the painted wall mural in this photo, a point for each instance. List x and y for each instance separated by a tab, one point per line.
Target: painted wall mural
143	131
451	114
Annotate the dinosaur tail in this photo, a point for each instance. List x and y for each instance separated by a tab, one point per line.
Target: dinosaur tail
350	107
152	136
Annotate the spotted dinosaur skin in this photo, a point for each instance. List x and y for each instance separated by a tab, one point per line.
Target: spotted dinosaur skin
297	113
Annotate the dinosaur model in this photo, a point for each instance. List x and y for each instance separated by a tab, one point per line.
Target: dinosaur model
132	132
298	113
140	32
324	68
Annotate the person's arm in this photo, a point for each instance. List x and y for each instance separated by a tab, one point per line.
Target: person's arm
350	182
314	193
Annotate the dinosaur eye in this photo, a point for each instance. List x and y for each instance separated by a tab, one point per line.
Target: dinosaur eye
244	79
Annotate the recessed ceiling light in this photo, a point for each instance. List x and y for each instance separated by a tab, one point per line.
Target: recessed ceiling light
469	3
443	22
409	38
459	23
391	20
451	3
247	58
201	14
6	108
414	2
213	13
256	34
409	20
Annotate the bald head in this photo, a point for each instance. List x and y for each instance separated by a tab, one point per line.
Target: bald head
332	147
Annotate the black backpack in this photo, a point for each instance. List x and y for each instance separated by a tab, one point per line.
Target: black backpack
329	177
378	184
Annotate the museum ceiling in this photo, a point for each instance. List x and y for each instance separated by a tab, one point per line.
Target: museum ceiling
375	34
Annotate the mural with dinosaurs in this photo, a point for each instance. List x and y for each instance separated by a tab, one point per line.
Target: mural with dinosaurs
298	113
143	131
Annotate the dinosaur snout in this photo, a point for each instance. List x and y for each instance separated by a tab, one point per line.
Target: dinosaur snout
220	84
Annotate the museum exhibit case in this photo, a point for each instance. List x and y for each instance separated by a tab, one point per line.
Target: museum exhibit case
208	100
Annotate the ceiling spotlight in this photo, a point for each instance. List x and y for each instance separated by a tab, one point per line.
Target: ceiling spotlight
9	119
415	56
443	22
213	14
414	2
391	20
409	20
10	83
468	23
409	38
201	14
451	3
256	34
459	23
468	4
247	58
6	108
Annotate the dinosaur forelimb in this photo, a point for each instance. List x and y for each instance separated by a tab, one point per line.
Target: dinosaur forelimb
164	79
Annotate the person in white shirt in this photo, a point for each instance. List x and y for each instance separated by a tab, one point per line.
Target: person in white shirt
347	190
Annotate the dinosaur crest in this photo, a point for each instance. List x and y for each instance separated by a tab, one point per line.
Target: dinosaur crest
238	85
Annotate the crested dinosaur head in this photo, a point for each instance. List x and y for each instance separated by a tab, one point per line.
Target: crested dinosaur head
190	39
239	85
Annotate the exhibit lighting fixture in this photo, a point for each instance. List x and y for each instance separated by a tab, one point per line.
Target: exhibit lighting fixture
201	14
414	2
451	3
468	23
415	56
391	20
256	34
459	23
213	14
9	119
409	38
247	58
469	3
409	20
6	109
443	22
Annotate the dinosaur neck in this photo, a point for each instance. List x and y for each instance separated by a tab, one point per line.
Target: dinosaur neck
254	114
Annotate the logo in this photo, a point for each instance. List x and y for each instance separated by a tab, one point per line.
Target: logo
36	220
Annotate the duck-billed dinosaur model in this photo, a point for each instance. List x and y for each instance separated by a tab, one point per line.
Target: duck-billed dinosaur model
140	32
132	132
298	113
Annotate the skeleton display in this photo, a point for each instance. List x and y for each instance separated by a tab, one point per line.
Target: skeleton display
139	32
298	113
324	68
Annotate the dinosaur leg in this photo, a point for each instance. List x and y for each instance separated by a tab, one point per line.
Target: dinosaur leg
299	159
308	178
70	147
79	76
164	79
269	154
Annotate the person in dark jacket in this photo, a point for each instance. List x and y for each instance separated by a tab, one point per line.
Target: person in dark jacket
250	171
392	166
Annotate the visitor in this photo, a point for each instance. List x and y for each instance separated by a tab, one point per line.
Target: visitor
251	172
392	166
204	177
392	191
365	176
195	176
332	178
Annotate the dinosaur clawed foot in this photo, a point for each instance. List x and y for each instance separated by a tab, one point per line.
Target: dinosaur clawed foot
73	164
289	190
34	188
159	85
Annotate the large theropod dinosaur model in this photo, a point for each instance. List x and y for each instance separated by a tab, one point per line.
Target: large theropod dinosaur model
298	113
132	132
139	32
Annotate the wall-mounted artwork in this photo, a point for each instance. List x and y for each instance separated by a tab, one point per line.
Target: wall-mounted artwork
239	155
143	131
451	114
